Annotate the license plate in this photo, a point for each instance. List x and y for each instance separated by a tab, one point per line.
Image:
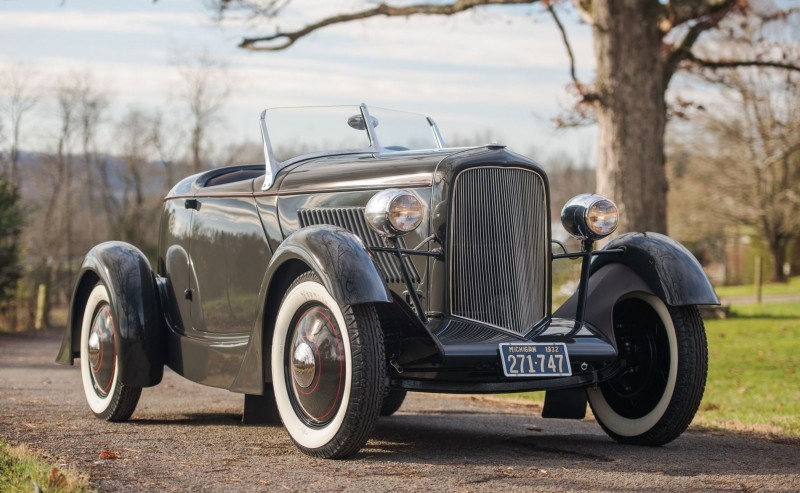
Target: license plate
542	359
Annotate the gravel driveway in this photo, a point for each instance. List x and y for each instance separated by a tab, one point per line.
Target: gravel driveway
185	437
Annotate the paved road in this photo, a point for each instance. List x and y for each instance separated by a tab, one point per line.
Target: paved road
185	437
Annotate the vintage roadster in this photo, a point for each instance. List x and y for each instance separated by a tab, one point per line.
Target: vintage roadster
366	259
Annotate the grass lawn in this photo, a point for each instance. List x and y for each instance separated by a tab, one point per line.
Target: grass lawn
753	382
791	287
20	469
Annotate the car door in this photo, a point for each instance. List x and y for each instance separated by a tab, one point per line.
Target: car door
229	256
176	227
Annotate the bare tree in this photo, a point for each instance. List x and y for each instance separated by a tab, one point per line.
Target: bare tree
92	104
240	153
639	45
131	193
568	177
750	152
166	139
206	87
22	93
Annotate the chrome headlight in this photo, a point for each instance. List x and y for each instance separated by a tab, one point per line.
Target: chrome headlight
394	212
590	216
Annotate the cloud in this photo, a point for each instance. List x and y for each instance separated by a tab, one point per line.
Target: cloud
490	69
87	22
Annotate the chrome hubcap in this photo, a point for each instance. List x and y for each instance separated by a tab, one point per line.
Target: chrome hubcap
101	352
303	365
315	365
94	347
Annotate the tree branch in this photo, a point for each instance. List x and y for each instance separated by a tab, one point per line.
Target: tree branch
719	64
281	40
586	95
684	49
681	11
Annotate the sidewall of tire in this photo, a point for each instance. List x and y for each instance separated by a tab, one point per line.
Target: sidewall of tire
99	405
301	433
627	427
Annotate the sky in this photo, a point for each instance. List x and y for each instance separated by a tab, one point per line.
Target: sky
500	72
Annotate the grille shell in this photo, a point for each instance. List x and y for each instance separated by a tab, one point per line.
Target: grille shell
499	248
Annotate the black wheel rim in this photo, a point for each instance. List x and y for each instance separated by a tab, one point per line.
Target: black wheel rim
315	364
101	350
644	346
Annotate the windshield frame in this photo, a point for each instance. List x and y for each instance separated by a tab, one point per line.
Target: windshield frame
273	165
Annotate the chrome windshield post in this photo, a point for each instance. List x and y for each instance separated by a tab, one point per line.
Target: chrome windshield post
436	134
269	157
369	123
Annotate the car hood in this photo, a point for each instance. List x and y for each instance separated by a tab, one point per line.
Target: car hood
361	172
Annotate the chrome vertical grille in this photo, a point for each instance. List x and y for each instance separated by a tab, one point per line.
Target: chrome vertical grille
498	247
353	220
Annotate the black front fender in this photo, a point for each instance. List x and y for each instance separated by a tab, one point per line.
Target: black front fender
668	268
339	258
652	263
128	277
344	266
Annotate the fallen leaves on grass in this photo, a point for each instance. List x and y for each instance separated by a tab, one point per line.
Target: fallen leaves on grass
57	479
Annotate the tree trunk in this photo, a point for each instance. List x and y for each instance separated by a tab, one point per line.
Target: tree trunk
778	250
197	142
631	113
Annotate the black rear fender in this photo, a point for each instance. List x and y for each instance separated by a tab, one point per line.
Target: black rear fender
131	285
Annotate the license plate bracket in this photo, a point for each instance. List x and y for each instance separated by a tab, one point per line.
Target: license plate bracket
535	359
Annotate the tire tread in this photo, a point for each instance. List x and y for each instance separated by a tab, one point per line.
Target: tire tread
124	403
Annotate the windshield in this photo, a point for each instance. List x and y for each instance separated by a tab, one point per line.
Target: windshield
293	132
297	131
402	131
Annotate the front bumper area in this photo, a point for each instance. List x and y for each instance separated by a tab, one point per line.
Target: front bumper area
471	363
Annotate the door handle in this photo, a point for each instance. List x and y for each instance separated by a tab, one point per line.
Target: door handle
192	204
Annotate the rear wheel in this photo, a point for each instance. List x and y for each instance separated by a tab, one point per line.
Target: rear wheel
327	370
666	357
108	398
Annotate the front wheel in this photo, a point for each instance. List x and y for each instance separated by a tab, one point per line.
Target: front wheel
666	357
327	370
108	398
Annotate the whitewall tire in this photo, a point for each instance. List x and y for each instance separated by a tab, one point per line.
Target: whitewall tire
655	398
107	397
327	366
